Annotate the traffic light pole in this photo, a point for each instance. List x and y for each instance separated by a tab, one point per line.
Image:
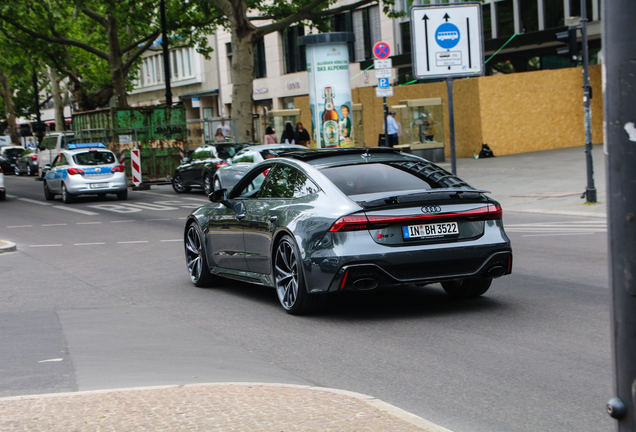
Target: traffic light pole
619	34
590	190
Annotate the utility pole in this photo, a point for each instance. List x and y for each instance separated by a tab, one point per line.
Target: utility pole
166	53
619	34
590	190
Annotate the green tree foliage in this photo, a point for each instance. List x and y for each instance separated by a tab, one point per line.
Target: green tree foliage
98	44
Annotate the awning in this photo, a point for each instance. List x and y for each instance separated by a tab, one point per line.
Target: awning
199	94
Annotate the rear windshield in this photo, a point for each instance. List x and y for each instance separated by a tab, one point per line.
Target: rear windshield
14	152
94	158
227	151
373	178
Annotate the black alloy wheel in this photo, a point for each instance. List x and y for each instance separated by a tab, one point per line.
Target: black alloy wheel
67	198
177	184
467	288
217	183
16	170
290	282
48	195
195	258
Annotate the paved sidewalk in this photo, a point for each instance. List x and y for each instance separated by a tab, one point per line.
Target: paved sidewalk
208	407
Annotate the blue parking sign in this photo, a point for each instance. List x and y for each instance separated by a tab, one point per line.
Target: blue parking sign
383	83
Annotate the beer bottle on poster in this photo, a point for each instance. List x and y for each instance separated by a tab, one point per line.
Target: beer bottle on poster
330	120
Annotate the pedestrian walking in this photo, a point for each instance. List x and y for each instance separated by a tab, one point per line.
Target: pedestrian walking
270	136
302	136
392	128
288	136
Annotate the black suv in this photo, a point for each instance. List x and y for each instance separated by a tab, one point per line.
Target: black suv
198	170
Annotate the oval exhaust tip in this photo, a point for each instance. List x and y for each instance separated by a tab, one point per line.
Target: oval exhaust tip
496	271
365	284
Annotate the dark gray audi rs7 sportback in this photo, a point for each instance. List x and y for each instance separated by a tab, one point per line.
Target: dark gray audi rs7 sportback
321	221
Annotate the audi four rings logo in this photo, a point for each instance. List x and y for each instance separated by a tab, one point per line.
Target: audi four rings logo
431	209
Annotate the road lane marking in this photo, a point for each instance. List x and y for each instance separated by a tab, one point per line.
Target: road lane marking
87	244
20	226
76	210
165	241
35	202
87	223
51	360
153	220
183	218
48	225
132	242
49	245
123	221
11	196
198	199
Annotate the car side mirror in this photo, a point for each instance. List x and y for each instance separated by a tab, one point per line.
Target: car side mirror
47	167
219	196
186	160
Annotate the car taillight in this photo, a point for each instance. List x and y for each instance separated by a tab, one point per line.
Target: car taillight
75	171
0	169
34	156
118	168
350	223
220	164
357	223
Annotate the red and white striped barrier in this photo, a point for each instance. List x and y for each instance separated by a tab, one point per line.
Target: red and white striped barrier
181	154
122	157
136	166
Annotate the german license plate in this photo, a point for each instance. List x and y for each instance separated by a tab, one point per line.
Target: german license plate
445	229
99	185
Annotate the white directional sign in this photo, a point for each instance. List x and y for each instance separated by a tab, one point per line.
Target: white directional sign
384	92
447	40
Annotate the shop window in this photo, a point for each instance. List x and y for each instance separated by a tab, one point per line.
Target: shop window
421	122
295	60
344	23
554	14
366	27
529	15
487	21
505	18
405	29
260	68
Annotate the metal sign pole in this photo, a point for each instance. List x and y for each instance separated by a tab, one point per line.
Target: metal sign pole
590	191
619	105
451	124
386	124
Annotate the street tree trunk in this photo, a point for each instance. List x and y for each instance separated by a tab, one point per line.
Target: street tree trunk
117	73
7	95
57	100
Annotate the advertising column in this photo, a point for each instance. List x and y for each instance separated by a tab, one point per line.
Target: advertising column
329	88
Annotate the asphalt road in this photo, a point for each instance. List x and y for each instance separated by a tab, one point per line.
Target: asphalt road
97	296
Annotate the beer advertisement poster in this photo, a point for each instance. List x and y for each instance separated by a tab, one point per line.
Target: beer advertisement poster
330	94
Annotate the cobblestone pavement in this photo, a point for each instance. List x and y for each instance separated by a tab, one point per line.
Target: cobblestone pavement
208	407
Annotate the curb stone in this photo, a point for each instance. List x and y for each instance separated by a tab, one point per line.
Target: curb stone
377	415
7	246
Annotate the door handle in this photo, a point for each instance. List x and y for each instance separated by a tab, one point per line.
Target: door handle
240	216
273	218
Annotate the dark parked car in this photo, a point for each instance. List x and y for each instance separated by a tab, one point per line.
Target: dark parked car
27	163
198	170
8	156
321	221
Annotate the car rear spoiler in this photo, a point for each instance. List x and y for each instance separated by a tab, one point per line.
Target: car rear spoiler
424	195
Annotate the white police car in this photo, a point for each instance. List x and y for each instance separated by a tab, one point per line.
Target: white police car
85	169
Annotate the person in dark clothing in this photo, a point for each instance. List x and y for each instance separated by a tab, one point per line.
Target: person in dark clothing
302	136
288	136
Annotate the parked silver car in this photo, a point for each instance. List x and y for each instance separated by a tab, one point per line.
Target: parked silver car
227	176
85	169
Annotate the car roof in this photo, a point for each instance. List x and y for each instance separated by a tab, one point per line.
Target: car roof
261	147
6	147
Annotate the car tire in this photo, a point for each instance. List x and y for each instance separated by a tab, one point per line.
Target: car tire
289	280
67	198
196	260
467	288
207	185
3	195
178	186
48	195
16	170
217	183
122	195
